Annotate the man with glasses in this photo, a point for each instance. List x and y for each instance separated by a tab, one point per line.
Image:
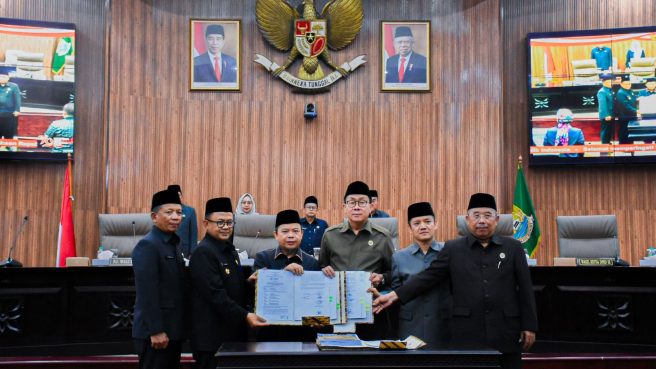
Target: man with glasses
219	289
313	227
161	284
357	244
375	212
493	300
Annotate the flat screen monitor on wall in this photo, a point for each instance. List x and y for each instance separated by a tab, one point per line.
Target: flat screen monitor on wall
592	96
37	89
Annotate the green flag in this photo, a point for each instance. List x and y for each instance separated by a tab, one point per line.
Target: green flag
525	221
64	48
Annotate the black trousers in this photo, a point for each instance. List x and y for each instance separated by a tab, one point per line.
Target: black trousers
8	125
511	360
607	131
624	131
149	358
205	360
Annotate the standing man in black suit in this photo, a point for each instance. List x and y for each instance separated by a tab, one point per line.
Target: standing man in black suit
188	230
214	65
493	300
218	288
626	108
406	66
161	283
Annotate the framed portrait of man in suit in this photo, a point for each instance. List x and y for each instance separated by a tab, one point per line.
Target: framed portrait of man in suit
405	56
215	54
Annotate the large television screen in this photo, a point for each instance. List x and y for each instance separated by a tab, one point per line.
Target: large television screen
592	96
37	89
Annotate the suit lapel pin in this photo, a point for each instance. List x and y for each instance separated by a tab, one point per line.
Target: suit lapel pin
502	256
370	243
227	271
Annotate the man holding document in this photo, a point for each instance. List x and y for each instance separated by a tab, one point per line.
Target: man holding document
218	287
287	256
358	245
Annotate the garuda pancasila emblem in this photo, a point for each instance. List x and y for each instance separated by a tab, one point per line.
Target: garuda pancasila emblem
309	37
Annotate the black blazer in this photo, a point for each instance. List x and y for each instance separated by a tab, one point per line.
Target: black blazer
218	295
493	297
161	283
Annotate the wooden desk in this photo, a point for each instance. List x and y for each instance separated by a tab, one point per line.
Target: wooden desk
307	355
88	311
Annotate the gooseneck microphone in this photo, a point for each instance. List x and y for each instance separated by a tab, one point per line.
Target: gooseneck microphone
11	263
134	232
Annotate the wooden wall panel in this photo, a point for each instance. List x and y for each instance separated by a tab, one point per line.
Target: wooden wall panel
35	189
423	146
624	191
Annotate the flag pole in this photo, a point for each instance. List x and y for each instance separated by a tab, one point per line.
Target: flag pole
70	179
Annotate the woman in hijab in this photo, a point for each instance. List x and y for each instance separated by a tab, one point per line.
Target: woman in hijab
246	205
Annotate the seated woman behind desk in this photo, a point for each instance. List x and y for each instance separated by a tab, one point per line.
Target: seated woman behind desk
287	256
246	205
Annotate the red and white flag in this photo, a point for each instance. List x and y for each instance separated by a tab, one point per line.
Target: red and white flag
66	238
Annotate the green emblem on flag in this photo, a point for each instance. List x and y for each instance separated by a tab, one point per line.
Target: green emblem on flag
525	222
64	48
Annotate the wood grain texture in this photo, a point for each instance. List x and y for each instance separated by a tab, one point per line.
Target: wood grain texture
35	189
405	145
462	137
624	191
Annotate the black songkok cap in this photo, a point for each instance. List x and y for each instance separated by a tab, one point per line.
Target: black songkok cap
402	31
214	29
287	217
626	77
357	188
165	197
373	193
607	76
218	205
175	187
482	200
311	200
420	209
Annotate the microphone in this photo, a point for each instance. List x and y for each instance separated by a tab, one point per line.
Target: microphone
11	263
257	234
134	232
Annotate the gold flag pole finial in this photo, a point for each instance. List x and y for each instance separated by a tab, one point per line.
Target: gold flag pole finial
519	162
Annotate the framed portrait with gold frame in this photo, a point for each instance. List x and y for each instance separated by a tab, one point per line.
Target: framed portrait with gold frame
405	56
215	54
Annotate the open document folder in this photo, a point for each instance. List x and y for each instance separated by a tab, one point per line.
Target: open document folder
283	298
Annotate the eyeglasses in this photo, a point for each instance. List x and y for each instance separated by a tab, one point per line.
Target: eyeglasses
311	207
484	216
221	223
352	203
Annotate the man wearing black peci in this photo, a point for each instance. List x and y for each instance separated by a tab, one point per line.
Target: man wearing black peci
493	300
218	288
161	284
626	108
188	230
